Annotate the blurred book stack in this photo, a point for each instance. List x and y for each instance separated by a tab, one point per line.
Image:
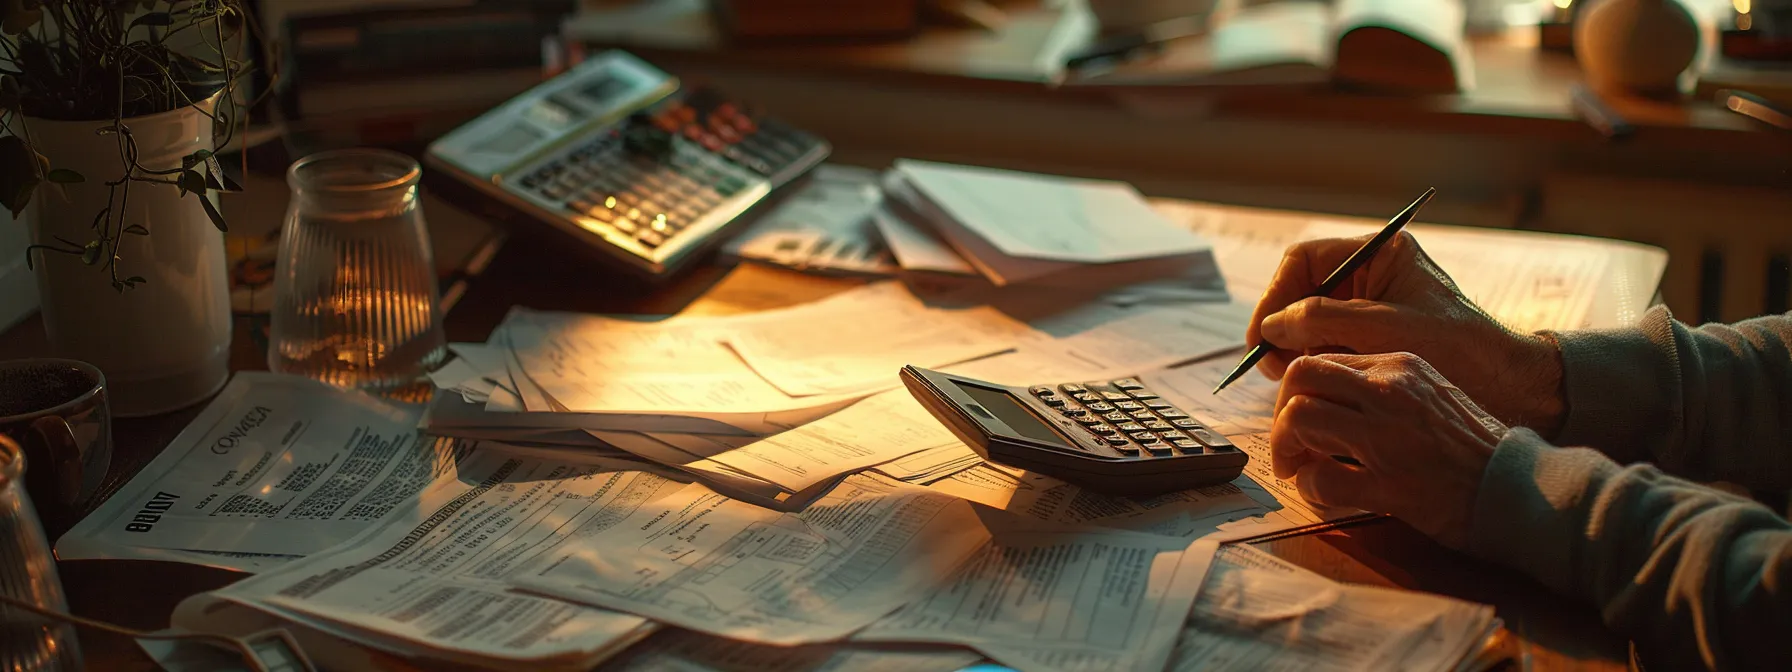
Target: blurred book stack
401	73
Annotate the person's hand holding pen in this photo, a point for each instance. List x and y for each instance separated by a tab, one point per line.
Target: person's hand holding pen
1400	301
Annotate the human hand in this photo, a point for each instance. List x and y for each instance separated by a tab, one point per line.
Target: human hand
1400	301
1420	444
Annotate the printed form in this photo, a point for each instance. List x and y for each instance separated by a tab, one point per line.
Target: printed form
671	649
437	577
309	465
708	563
1185	514
1039	598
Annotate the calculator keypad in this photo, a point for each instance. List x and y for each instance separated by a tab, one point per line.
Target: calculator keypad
661	171
1131	419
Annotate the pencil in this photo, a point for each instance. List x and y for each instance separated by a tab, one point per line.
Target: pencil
1361	256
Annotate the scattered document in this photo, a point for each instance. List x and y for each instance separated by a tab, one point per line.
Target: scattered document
860	344
701	561
879	429
916	249
1247	244
275	467
672	649
435	576
1257	612
1039	598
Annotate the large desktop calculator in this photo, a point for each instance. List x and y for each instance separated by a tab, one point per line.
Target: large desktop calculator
1112	436
615	158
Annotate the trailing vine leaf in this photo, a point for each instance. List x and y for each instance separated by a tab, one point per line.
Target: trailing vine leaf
217	179
193	159
212	212
65	176
192	181
136	229
19	174
135	280
90	254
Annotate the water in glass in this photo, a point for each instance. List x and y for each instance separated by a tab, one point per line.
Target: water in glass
28	642
356	302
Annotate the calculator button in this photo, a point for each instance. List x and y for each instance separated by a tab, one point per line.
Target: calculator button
1104	430
1129	384
1187	445
1186	423
1043	391
1086	397
1143	437
1157	404
1158	425
621	223
1172	414
1117	441
1126	449
1210	438
1056	402
1073	388
1101	407
1129	406
1173	435
1143	395
1143	415
1115	396
1076	413
1090	420
1131	427
1159	449
650	238
1117	416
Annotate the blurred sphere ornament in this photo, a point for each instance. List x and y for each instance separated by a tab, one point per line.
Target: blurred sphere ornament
1636	46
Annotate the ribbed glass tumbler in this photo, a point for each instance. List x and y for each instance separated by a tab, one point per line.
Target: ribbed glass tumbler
356	302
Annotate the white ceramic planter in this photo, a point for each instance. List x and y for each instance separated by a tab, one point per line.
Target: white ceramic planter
164	345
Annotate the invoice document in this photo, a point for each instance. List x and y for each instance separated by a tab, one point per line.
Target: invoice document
708	563
1258	612
275	467
435	575
1049	598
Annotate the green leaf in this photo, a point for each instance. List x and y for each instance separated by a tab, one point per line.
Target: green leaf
65	176
217	179
212	212
192	181
154	19
135	280
137	229
90	254
19	174
193	159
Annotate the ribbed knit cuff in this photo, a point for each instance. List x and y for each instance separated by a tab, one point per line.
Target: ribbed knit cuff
1530	513
1618	384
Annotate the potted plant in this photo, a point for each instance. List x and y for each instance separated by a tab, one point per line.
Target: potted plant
111	111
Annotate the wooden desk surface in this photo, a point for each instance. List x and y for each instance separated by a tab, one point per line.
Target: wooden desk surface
1545	631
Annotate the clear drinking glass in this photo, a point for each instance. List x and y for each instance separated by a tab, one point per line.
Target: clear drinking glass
355	296
28	642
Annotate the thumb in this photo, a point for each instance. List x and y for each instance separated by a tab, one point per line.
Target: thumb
1318	322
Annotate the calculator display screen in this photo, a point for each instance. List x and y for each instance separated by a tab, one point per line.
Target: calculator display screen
1005	408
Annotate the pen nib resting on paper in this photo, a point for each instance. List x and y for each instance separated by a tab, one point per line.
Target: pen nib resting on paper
1356	260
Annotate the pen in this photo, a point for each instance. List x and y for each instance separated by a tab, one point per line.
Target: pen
1357	259
1755	107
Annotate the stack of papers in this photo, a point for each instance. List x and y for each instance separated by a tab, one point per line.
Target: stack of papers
1016	228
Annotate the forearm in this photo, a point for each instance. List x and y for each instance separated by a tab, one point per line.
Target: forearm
1697	577
1712	403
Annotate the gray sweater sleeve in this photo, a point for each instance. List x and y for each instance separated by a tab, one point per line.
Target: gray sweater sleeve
1697	577
1712	403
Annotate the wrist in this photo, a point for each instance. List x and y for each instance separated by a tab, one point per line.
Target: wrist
1543	399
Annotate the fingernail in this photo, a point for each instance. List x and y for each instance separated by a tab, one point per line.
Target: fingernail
1273	327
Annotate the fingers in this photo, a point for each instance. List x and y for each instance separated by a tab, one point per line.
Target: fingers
1328	377
1303	267
1329	483
1310	428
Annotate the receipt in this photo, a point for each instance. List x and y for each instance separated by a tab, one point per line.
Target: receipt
1057	599
708	563
434	576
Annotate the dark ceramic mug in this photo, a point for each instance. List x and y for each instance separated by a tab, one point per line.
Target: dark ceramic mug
56	410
